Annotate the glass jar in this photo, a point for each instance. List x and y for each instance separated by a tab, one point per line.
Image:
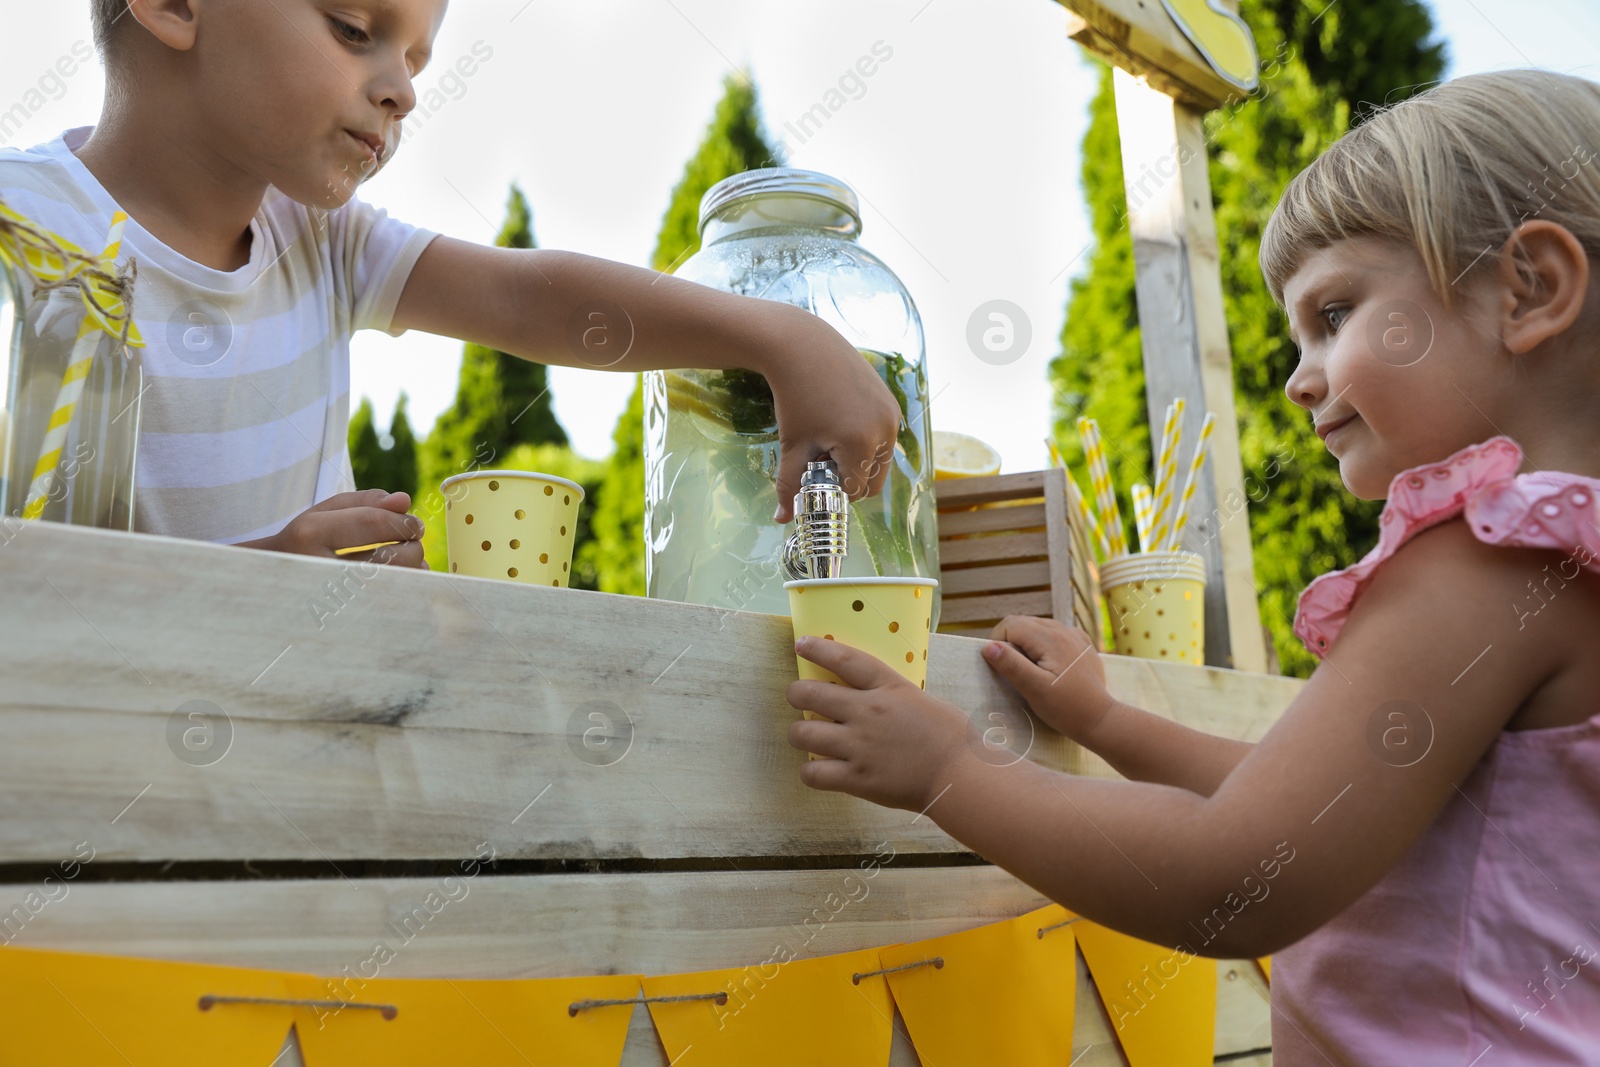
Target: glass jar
88	423
710	437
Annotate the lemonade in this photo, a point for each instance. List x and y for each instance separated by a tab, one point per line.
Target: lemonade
710	496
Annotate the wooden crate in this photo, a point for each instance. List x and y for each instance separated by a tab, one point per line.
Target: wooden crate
1010	544
373	748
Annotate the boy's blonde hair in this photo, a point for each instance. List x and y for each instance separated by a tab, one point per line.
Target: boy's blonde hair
1451	172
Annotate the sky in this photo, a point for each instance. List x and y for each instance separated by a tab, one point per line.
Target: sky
963	147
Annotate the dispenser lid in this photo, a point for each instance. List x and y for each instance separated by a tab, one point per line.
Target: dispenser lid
782	181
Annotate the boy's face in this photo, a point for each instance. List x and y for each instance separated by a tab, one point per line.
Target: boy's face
308	95
1410	381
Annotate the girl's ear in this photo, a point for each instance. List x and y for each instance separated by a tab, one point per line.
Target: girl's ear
1545	272
172	22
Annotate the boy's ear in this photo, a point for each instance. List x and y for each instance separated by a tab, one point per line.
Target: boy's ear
172	22
1545	272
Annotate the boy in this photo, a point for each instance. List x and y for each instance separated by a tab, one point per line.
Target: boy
234	133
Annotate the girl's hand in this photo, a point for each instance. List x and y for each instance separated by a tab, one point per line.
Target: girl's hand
890	742
1056	669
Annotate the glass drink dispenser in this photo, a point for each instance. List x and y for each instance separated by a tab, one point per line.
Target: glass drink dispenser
711	441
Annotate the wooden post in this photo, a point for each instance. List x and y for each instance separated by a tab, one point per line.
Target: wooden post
1184	334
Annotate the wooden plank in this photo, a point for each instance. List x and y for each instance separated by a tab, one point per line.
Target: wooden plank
1140	36
1061	553
1002	578
432	707
973	609
956	553
1022	517
986	489
499	926
1186	350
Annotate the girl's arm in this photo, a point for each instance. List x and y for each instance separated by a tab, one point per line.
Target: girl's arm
1056	670
1312	817
1146	747
579	311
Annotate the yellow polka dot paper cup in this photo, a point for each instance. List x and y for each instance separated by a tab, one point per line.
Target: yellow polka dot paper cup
884	617
1156	603
517	525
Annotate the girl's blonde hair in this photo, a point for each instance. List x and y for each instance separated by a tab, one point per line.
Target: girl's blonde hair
1451	172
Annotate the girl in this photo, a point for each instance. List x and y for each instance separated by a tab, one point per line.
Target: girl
1428	809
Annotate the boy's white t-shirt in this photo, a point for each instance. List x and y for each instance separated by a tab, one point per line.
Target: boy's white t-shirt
246	403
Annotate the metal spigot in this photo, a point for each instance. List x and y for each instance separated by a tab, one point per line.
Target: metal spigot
821	537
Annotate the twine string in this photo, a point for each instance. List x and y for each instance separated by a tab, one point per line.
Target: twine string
584	1005
937	962
108	294
1056	926
207	1002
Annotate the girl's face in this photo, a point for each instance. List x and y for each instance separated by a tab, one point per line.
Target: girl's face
1397	378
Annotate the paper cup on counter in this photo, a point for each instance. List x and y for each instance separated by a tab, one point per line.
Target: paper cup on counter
1156	603
516	525
883	617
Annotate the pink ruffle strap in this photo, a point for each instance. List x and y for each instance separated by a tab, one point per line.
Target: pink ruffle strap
1541	509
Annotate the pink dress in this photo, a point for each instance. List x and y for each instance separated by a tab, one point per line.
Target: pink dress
1481	948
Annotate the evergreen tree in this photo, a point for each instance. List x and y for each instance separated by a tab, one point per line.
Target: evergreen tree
402	451
501	400
367	460
733	142
383	463
1320	70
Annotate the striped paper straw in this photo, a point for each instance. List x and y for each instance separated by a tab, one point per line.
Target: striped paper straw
1091	521
1174	541
1141	514
55	437
1104	494
1166	473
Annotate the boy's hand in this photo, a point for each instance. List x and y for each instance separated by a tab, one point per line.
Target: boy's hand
351	519
828	399
890	742
1055	668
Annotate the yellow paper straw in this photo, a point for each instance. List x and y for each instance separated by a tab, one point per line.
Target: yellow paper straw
1104	494
1141	514
1166	473
1174	541
1091	522
55	438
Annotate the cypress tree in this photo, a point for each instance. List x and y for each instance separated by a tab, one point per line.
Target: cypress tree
501	400
367	460
402	451
1320	71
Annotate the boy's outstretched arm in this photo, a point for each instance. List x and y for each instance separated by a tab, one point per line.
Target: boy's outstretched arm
574	310
1312	817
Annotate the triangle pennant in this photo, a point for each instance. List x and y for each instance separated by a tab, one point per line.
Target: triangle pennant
422	1022
1162	1001
69	1008
795	1013
1005	993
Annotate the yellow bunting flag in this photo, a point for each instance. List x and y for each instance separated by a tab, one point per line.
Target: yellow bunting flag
400	1022
1162	1001
1265	963
778	1014
71	1008
1004	993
